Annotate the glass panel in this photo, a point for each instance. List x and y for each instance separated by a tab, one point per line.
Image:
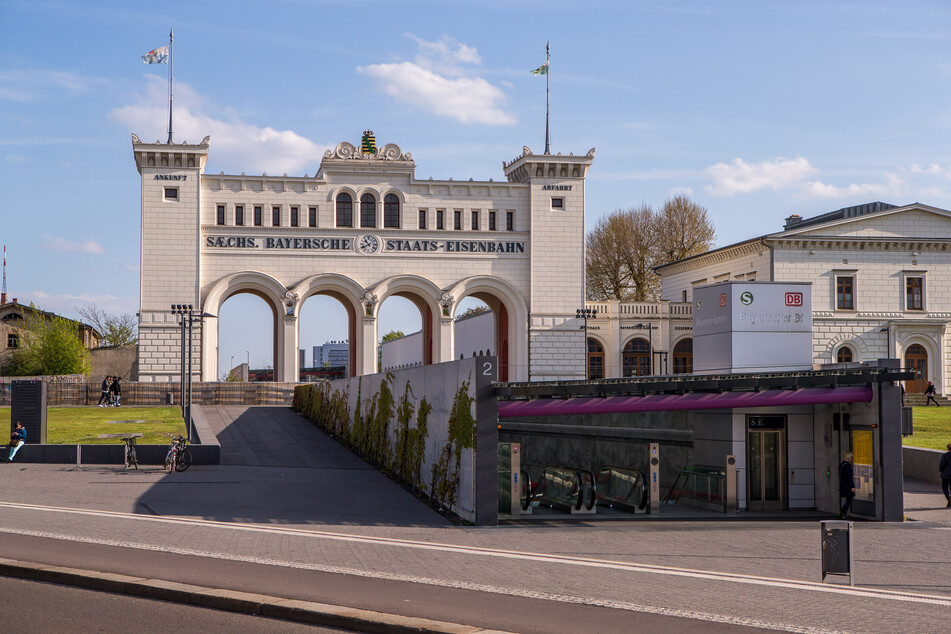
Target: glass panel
755	465
771	466
862	459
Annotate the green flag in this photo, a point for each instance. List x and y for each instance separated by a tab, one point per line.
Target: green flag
541	70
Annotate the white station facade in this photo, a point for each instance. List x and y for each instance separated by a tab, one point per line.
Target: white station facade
362	229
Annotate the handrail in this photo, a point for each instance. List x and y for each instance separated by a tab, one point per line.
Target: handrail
700	483
617	486
565	487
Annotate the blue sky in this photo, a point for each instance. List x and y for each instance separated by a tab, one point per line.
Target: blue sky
755	109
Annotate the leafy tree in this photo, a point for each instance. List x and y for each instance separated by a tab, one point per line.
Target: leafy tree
49	346
625	246
474	310
116	330
390	336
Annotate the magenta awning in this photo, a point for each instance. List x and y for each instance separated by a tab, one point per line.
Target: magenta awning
675	402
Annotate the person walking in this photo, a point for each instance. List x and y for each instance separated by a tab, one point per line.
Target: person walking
116	390
945	468
930	392
17	439
106	382
846	484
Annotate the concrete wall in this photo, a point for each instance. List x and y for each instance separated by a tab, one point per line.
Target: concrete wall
921	463
118	361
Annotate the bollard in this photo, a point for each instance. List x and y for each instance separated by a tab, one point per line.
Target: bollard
730	485
79	456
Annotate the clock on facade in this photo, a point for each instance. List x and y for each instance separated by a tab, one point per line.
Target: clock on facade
369	244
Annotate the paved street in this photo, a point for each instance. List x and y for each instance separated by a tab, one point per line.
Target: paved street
336	531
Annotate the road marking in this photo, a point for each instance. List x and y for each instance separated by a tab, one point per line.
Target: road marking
775	582
443	583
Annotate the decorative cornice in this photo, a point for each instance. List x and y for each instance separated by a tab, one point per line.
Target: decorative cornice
724	254
348	151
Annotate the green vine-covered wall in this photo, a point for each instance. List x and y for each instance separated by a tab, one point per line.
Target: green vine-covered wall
384	432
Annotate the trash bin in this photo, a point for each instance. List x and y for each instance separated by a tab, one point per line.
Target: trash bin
836	540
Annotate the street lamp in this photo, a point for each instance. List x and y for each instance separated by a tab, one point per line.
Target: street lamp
586	314
188	315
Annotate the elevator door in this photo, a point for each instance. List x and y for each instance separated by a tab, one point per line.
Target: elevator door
766	461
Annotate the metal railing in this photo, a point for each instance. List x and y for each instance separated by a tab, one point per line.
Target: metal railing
60	394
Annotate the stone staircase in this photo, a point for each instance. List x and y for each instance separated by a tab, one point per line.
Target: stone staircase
918	400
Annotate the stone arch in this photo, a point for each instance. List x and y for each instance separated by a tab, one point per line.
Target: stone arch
857	344
511	317
259	284
425	296
933	367
350	294
600	355
632	356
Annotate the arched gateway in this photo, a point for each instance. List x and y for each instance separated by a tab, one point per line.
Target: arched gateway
361	230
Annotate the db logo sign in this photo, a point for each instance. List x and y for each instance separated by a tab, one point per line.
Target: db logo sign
794	299
722	299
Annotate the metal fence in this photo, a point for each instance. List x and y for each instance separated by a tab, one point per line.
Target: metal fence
62	393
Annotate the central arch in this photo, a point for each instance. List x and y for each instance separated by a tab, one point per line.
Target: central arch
349	294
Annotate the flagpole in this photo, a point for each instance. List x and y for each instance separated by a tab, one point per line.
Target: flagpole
170	38
547	112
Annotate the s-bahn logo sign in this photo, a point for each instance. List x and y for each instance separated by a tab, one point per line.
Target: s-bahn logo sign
366	244
746	298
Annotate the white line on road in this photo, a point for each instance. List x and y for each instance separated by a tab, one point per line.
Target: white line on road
789	584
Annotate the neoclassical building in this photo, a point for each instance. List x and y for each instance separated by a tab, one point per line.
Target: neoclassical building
880	282
362	229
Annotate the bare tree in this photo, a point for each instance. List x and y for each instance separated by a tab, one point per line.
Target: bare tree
116	330
625	246
685	230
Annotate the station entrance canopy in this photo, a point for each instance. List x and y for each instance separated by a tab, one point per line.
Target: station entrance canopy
658	394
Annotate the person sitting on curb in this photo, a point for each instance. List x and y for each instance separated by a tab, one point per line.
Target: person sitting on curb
945	468
16	440
930	392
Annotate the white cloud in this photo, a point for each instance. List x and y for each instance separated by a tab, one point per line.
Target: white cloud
932	168
438	82
740	177
238	145
681	191
818	189
34	84
65	304
62	244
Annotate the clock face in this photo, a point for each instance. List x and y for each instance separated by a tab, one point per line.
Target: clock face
369	244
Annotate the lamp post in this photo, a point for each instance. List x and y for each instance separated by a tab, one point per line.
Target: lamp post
586	314
188	315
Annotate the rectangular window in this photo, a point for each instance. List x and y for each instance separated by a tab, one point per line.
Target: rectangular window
257	215
440	223
295	217
558	203
491	221
13	340
221	214
239	215
312	216
510	221
914	293
275	216
845	292
422	218
457	220
475	220
171	194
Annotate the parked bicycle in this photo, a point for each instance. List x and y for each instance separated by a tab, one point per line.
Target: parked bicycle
178	457
130	458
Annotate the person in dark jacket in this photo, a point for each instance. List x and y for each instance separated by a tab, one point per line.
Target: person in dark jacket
105	391
929	392
116	390
945	468
16	440
846	484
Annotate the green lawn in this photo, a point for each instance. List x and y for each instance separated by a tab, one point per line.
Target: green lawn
932	428
73	425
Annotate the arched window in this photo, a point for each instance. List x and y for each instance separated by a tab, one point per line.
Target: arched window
344	210
636	358
683	357
595	360
367	210
844	355
391	211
